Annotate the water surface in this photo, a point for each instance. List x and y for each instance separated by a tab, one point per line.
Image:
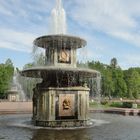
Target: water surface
106	127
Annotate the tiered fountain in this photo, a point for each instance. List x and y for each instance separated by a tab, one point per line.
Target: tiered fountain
62	99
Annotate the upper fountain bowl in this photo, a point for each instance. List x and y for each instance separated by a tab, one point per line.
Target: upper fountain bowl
60	40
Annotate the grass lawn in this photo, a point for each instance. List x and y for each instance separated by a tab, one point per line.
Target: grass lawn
111	104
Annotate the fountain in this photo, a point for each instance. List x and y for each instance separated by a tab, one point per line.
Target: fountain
16	92
62	98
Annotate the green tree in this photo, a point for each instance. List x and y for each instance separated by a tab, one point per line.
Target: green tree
107	84
132	78
6	75
97	66
119	83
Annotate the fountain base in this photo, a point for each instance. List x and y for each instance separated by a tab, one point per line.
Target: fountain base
60	107
62	123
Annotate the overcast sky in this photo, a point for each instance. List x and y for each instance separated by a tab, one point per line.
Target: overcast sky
111	28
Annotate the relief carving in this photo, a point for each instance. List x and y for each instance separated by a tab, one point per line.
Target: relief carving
66	104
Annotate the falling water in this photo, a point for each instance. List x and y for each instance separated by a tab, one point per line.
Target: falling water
58	19
22	96
57	26
83	57
98	94
98	87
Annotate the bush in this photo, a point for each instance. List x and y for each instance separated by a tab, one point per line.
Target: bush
127	104
116	104
104	102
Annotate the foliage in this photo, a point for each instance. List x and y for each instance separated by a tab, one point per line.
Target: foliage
6	74
112	81
115	82
116	104
119	83
104	102
132	78
108	86
139	106
96	104
127	104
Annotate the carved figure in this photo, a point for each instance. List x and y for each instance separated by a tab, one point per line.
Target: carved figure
66	104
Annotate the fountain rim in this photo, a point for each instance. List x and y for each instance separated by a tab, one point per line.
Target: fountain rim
38	71
46	39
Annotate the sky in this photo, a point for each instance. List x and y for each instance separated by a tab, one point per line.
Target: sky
110	27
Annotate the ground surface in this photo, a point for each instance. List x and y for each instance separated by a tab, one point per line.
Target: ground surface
15	107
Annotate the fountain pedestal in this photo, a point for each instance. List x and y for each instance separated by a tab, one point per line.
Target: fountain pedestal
61	107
